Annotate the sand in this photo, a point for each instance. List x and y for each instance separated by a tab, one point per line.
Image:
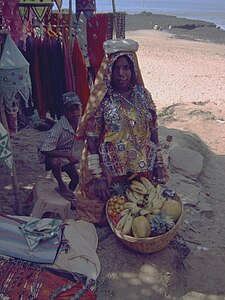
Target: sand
187	82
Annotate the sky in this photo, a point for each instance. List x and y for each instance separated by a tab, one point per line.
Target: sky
100	4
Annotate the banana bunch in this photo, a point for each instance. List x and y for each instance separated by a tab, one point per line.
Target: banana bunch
125	223
143	198
130	211
150	194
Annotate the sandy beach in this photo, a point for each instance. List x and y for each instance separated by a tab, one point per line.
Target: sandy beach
185	73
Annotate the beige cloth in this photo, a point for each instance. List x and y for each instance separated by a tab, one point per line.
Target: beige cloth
125	45
81	256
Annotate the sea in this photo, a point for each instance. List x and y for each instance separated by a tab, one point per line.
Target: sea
206	10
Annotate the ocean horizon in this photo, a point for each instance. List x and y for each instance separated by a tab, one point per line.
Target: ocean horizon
206	10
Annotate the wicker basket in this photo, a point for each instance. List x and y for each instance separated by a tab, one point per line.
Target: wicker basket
150	244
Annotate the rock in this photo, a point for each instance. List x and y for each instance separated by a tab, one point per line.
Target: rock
188	193
206	210
188	190
186	162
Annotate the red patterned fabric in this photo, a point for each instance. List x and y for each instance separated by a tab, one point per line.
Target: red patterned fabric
88	7
99	29
81	74
30	281
68	71
11	19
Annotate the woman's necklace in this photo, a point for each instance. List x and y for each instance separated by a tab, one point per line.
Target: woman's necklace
135	102
126	96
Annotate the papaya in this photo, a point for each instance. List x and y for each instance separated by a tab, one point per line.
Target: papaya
172	208
141	227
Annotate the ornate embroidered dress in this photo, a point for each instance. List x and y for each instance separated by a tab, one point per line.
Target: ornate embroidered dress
127	136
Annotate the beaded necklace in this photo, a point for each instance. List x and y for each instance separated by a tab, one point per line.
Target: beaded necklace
142	126
127	94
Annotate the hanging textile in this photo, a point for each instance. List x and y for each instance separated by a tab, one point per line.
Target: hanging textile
68	71
5	149
62	20
88	7
99	29
14	76
40	8
120	25
58	3
81	74
49	74
11	19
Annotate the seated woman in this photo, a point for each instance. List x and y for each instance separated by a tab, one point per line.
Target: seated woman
120	129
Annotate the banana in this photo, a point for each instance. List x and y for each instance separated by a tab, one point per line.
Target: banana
149	207
138	196
121	222
158	189
146	183
152	195
129	205
144	211
138	187
156	211
135	210
158	201
128	224
125	211
130	196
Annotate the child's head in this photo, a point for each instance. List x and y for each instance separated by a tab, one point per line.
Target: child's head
72	107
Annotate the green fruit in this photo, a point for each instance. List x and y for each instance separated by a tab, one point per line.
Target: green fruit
172	208
141	228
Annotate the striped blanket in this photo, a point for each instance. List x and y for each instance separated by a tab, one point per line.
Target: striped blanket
14	243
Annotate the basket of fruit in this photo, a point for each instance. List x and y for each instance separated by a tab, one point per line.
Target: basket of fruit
143	217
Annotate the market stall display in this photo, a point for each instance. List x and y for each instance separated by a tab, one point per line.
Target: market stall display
47	258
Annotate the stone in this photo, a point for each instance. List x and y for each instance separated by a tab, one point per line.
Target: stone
186	162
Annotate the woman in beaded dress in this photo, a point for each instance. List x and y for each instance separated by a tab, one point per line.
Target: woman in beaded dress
120	130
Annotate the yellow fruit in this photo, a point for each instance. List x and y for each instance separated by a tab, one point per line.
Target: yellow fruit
149	217
172	208
141	228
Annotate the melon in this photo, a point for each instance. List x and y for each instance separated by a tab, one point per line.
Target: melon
172	208
141	227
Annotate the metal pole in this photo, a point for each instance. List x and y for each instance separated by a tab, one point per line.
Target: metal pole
13	172
70	45
70	26
114	18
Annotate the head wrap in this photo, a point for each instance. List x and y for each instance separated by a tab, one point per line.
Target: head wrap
117	45
70	99
113	50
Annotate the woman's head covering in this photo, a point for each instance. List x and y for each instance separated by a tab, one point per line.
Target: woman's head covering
117	45
113	50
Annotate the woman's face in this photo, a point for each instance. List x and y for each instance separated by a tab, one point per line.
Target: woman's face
121	74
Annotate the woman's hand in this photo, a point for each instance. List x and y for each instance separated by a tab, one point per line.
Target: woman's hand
161	176
101	189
